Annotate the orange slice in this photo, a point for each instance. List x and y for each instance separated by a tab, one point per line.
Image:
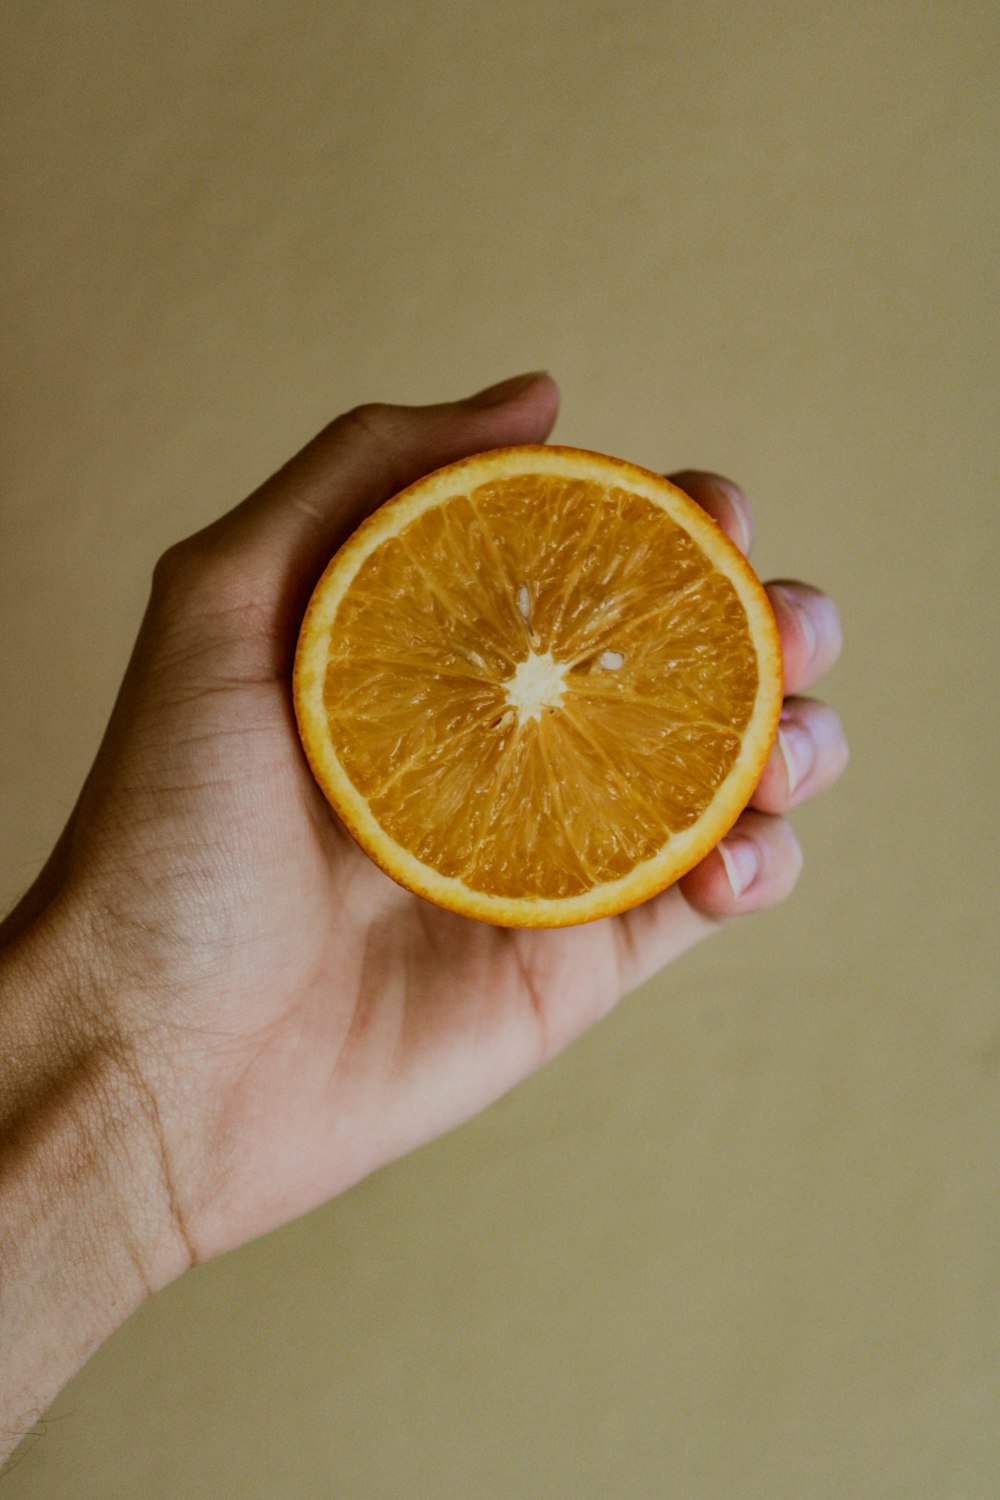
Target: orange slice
538	685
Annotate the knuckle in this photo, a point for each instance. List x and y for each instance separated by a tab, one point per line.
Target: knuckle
202	602
187	576
372	420
173	567
379	431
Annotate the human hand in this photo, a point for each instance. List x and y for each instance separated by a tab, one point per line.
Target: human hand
275	1017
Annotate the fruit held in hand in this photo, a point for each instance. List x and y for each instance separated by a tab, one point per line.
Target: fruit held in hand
538	685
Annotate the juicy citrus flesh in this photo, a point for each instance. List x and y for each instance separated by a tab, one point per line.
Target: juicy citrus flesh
538	685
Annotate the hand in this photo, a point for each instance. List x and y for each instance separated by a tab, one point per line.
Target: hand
281	1017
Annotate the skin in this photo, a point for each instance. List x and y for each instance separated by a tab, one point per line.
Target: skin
215	1011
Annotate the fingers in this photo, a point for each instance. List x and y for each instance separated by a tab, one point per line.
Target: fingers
291	527
755	866
809	627
807	619
809	755
724	501
759	861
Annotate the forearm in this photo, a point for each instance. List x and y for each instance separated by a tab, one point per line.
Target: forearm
76	1191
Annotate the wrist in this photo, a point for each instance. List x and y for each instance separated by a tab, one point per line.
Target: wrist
85	1233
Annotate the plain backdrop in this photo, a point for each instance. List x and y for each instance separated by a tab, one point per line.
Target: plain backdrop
743	1240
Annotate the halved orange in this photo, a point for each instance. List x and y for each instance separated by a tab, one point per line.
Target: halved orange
538	685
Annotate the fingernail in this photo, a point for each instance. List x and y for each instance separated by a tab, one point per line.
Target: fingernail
798	751
802	614
504	390
741	858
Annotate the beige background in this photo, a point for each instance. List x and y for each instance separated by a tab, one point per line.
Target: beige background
743	1240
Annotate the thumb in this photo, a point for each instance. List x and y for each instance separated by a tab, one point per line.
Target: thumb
285	533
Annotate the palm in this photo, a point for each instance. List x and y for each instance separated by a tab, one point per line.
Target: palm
322	1004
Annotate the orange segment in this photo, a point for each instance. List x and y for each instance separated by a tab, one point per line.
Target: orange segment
538	685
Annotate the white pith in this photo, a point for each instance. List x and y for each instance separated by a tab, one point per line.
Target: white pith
538	683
